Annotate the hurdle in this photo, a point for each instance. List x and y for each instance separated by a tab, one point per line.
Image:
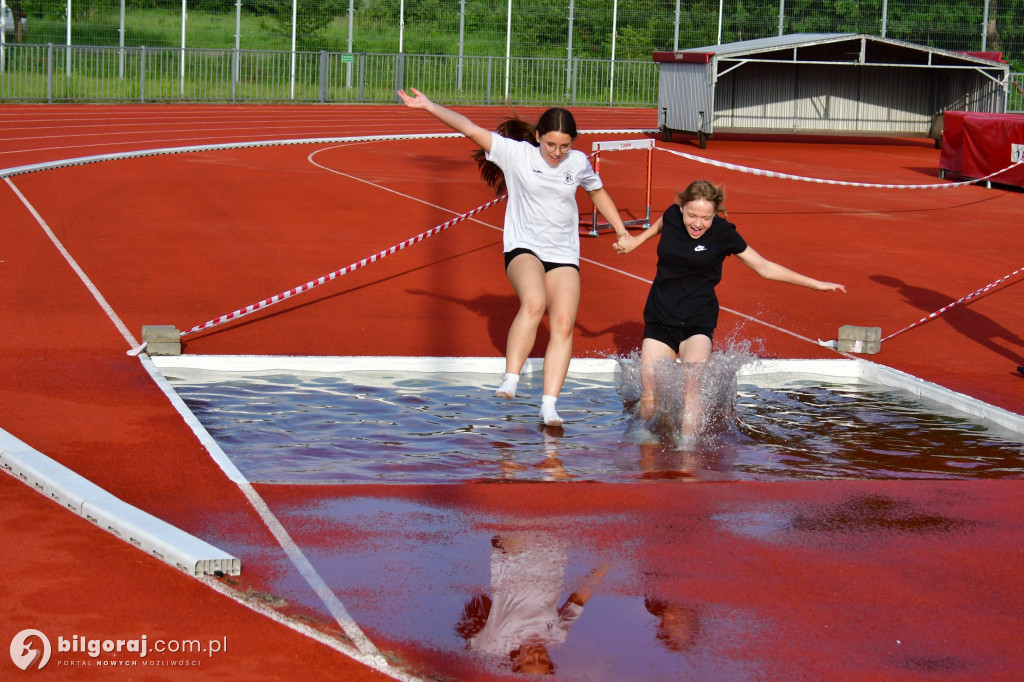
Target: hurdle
619	145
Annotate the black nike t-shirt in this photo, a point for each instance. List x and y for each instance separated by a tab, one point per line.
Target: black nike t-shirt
683	292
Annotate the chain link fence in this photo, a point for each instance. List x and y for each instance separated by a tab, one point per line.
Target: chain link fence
480	51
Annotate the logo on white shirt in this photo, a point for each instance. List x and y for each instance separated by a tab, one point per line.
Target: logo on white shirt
568	179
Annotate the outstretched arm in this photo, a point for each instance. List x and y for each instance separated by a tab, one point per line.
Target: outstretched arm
585	591
771	270
452	119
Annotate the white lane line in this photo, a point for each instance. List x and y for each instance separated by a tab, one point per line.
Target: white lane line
292	550
121	327
308	631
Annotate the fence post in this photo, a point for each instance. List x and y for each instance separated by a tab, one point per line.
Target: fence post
568	49
984	29
324	73
400	71
362	76
142	75
49	73
575	78
234	73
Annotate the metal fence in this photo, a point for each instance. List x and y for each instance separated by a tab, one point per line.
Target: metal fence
580	52
56	73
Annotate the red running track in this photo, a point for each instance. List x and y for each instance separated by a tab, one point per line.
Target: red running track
809	580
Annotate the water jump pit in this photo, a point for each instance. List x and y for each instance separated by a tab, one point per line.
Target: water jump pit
305	420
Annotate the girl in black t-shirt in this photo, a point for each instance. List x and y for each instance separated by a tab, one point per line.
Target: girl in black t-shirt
682	310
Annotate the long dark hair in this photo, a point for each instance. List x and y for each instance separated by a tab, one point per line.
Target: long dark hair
514	128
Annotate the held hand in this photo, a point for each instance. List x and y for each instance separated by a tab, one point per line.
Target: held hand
419	101
625	244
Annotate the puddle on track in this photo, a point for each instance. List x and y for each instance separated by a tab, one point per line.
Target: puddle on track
468	589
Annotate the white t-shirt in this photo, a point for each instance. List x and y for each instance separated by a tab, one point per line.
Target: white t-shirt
542	214
526	586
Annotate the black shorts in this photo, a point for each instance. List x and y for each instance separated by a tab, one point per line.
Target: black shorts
673	336
548	267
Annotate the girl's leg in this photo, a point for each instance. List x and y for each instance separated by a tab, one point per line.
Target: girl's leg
563	295
653	354
694	352
526	273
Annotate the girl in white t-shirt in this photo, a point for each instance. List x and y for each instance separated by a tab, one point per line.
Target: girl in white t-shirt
541	171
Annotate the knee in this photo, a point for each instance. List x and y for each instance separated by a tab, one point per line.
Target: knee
533	307
562	325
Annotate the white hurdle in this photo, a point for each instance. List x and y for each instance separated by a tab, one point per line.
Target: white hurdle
620	145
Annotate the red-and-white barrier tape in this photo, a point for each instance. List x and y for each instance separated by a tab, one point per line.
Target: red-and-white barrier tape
823	181
968	297
267	302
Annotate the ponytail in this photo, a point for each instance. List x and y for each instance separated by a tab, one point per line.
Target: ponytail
515	128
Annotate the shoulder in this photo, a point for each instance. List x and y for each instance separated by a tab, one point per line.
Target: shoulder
721	221
577	162
723	227
727	234
507	148
579	156
673	214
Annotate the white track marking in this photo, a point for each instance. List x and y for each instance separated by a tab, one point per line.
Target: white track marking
303	629
121	327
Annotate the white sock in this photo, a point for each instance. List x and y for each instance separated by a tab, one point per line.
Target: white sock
547	411
507	390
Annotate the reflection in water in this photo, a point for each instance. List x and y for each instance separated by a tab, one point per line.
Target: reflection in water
678	625
521	620
635	591
550	466
664	461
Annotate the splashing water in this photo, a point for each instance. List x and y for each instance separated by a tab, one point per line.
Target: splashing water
694	402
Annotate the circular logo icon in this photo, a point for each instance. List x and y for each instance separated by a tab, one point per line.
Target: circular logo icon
22	653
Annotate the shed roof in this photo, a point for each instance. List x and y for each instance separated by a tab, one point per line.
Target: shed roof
836	48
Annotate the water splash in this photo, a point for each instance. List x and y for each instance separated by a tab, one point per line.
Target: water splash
695	403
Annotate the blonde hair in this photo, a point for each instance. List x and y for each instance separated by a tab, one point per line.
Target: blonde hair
706	190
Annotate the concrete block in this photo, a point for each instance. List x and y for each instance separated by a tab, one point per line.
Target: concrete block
853	339
161	339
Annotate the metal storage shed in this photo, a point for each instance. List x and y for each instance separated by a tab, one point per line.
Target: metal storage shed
822	83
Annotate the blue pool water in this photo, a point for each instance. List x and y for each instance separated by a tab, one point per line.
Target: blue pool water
401	427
